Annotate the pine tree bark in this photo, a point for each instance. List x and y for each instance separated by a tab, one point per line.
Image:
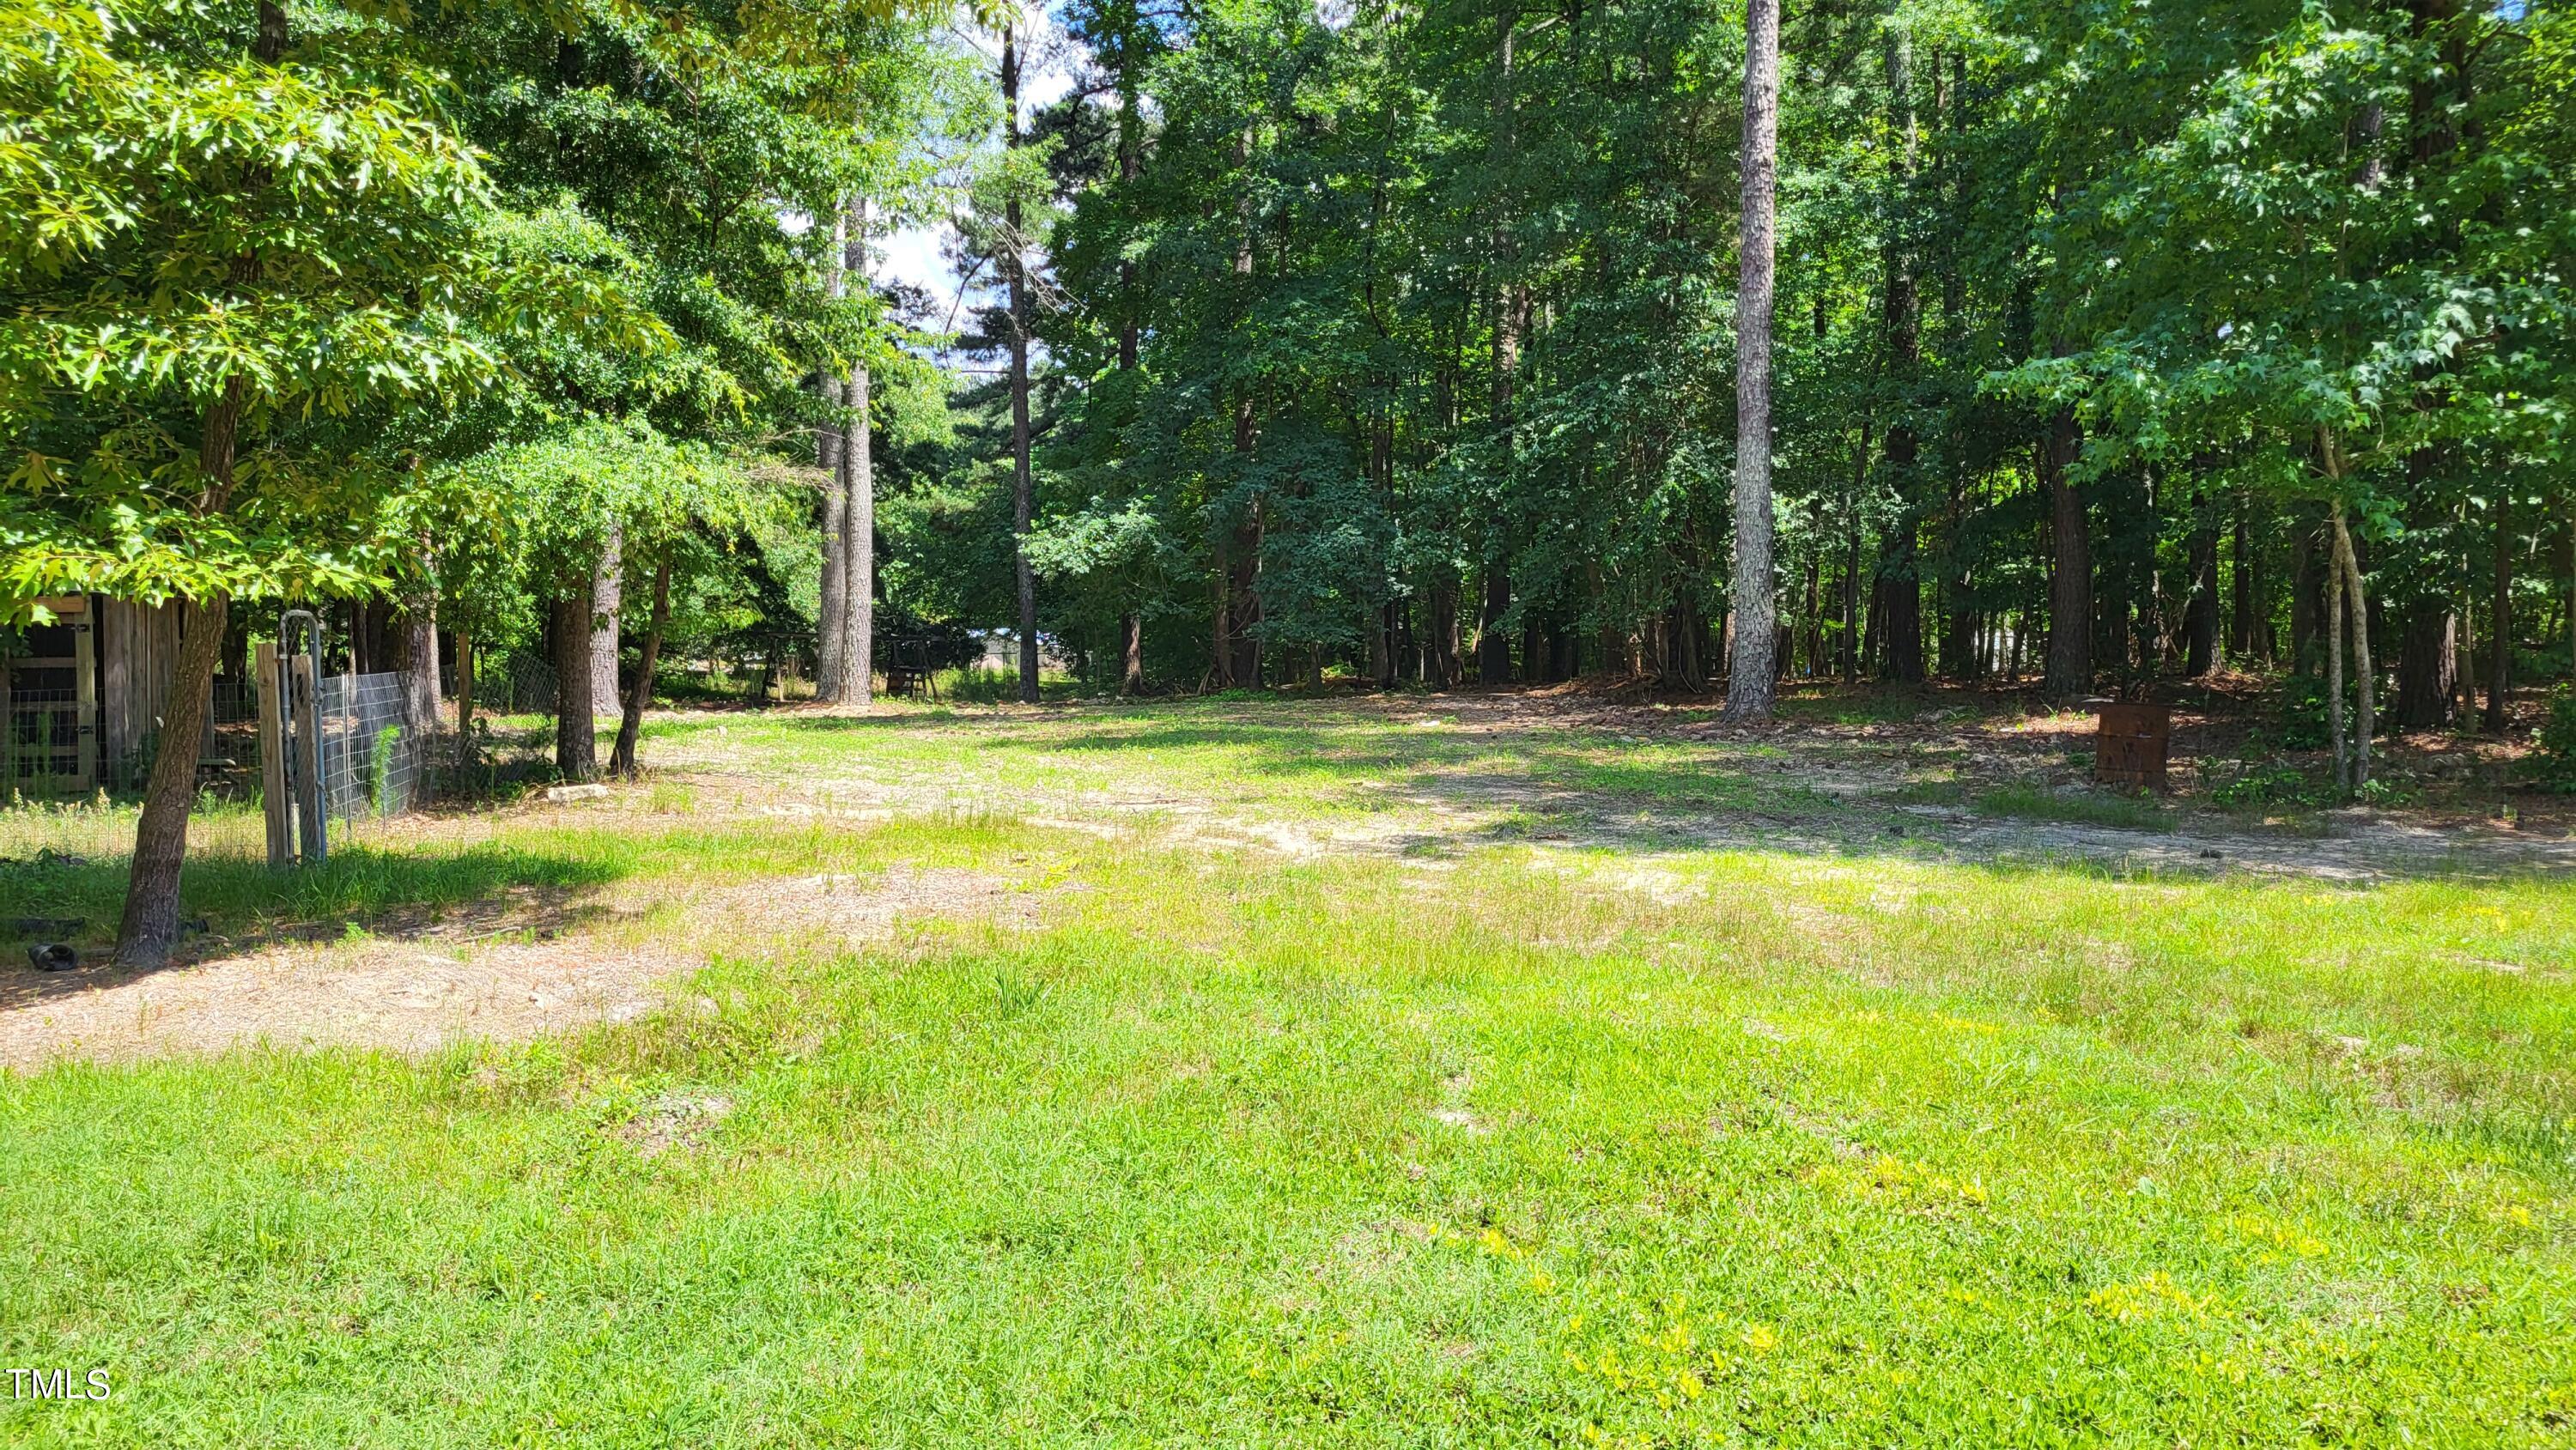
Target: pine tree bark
1220	620
1442	622
2334	663
1131	672
853	625
1493	644
1850	645
1511	305
828	437
2069	671
1242	579
1900	567
2311	574
1815	642
1022	487
2200	613
2244	634
1751	676
2364	723
2428	665
2500	619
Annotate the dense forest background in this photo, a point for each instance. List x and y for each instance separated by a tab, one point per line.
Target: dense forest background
1400	341
1384	343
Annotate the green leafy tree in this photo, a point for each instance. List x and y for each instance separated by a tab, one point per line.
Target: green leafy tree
247	250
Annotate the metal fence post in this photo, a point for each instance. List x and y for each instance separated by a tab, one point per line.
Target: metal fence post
274	803
307	741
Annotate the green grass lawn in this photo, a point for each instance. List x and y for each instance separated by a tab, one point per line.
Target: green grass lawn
1507	1143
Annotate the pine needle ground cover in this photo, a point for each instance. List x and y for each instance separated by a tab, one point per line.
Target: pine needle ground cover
1492	1139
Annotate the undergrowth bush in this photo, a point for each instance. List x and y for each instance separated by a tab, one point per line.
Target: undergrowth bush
2554	763
2300	710
2258	786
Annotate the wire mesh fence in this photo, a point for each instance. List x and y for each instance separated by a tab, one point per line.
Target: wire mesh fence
513	730
62	792
51	748
517	683
45	753
372	761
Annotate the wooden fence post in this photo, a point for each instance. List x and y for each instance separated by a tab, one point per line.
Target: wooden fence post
85	697
274	802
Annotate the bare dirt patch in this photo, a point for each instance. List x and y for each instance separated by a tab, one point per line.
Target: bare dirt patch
1840	788
428	986
398	995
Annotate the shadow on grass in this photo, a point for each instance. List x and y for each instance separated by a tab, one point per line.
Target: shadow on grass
1590	781
792	721
242	904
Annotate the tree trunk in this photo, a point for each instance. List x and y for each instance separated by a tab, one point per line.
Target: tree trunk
2363	724
1493	646
2334	662
1511	307
1815	646
465	747
1220	621
2312	573
630	724
1443	625
1751	682
829	639
608	589
2500	619
1850	644
1902	663
2070	586
1961	657
2428	665
2200	613
1899	569
1690	645
150	926
576	737
858	480
2246	637
420	657
1022	502
1243	573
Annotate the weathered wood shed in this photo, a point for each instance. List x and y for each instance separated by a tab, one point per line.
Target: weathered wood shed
86	697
